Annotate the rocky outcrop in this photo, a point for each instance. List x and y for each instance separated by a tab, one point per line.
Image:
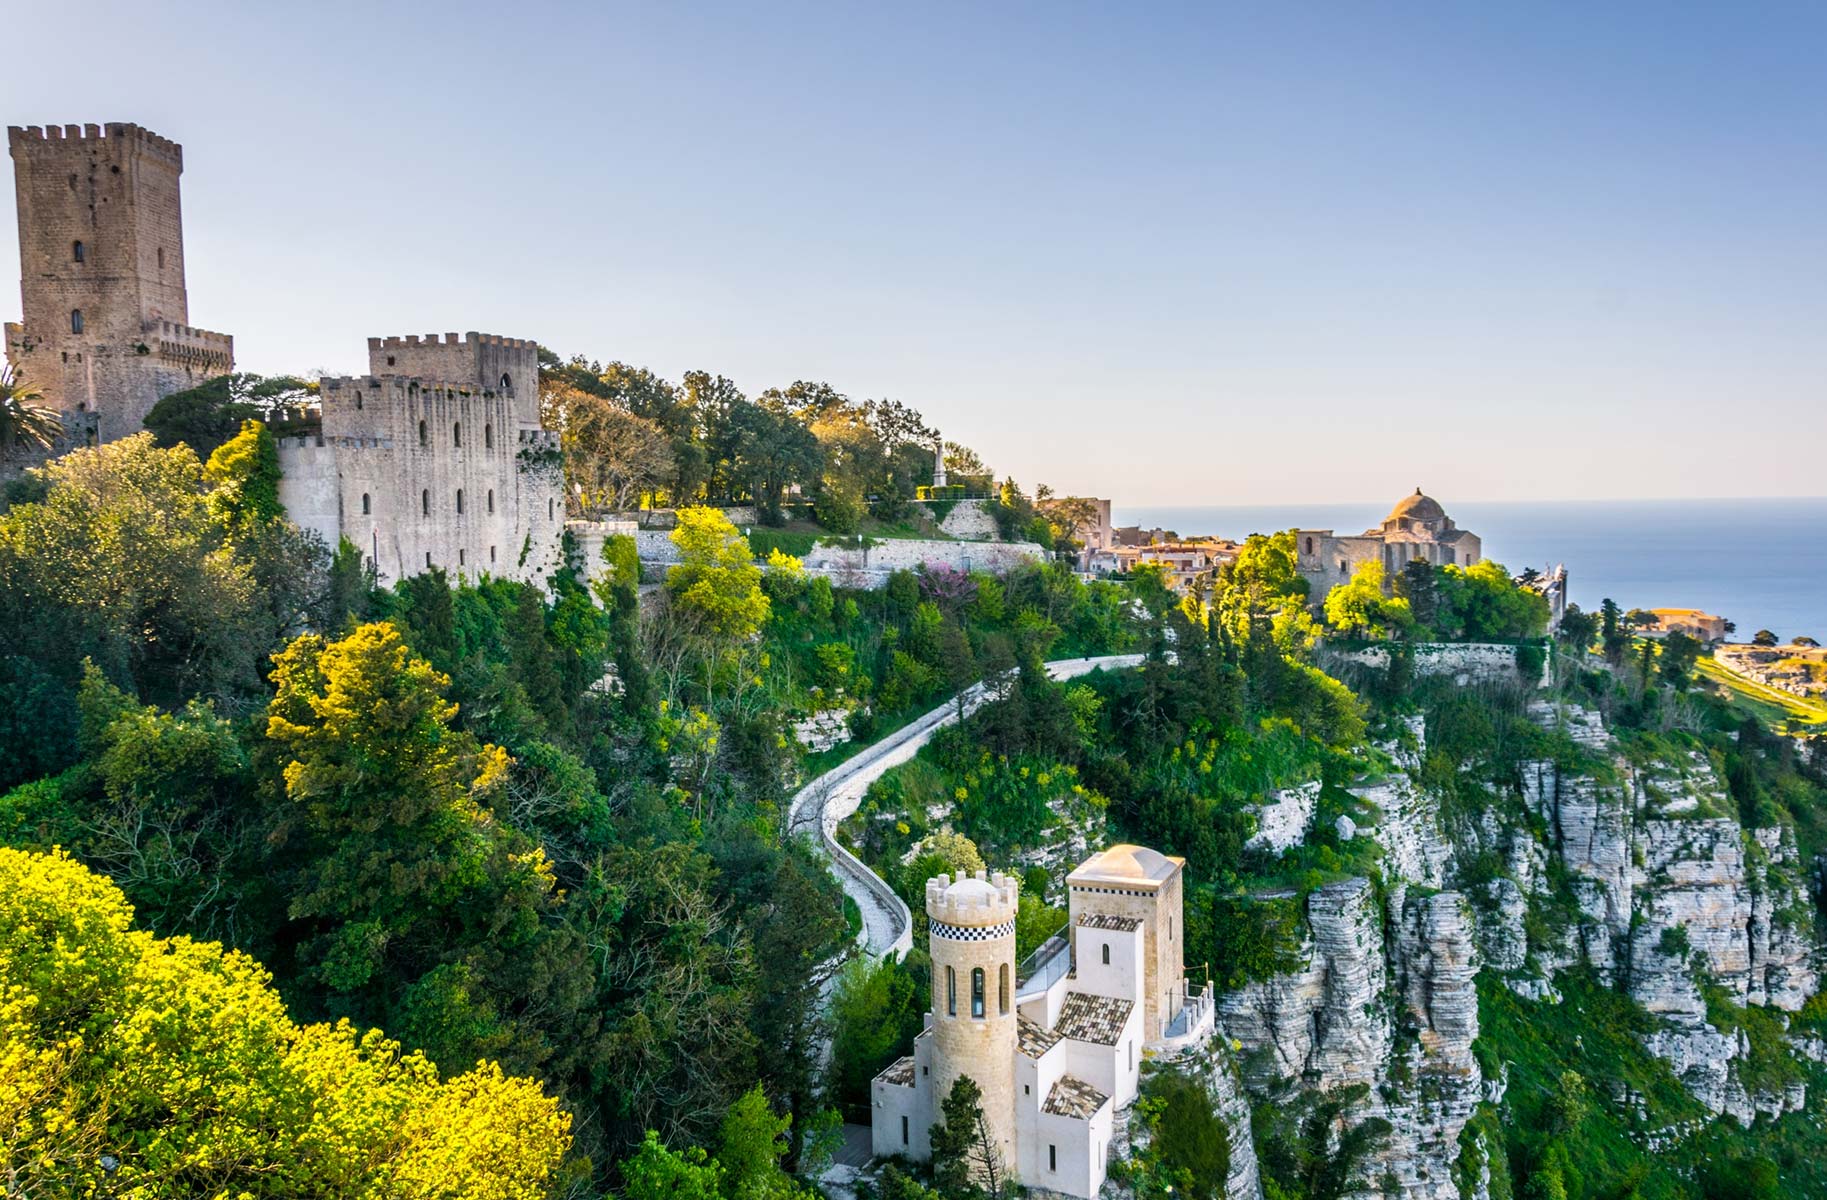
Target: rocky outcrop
1673	894
1324	1025
1408	819
1434	1084
1283	822
1331	1024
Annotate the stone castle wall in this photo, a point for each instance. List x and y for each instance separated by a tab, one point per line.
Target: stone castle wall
421	475
113	191
847	566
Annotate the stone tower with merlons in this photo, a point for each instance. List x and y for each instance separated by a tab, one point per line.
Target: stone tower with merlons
972	926
106	330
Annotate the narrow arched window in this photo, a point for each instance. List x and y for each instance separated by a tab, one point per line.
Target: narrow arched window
459	501
1309	545
488	437
161	258
1106	953
506	383
367	505
456	433
491	499
548	509
425	502
462	557
424	434
976	991
428	560
1003	990
76	252
76	320
951	993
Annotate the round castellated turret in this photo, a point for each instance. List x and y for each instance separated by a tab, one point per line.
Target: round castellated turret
972	926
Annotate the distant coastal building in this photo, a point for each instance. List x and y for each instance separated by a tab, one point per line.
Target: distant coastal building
1189	564
1056	1049
1691	621
1416	529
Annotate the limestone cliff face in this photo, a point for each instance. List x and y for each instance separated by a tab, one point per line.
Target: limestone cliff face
1408	824
1673	894
1672	901
1433	1083
1387	998
1324	1025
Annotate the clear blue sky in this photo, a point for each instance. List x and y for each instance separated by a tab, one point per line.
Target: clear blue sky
1259	254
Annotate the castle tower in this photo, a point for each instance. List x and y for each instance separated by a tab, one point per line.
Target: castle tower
106	327
972	922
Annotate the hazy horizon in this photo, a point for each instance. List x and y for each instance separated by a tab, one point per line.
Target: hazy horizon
1191	256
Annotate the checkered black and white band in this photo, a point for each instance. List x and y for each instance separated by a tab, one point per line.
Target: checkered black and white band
972	933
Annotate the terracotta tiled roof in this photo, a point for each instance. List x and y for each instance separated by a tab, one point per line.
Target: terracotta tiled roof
1106	921
1073	1097
900	1072
1087	1018
1034	1039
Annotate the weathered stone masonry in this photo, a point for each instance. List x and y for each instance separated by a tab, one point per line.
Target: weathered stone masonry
446	467
106	330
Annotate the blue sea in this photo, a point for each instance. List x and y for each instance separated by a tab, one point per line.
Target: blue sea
1760	563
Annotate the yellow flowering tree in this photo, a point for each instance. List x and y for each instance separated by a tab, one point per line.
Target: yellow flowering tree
152	1067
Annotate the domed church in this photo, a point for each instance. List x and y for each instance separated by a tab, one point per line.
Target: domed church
1416	528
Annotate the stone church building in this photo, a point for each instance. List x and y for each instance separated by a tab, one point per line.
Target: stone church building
1416	528
1056	1046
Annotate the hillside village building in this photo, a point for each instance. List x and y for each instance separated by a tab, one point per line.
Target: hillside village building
1417	528
106	329
1190	565
1057	1049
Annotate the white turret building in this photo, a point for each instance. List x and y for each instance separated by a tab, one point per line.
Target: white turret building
1057	1048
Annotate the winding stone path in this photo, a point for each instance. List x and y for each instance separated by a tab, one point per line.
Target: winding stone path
827	800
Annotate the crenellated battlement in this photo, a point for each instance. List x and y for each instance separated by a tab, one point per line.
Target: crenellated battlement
973	901
30	139
472	338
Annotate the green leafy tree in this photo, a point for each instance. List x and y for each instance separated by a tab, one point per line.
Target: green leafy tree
1577	629
1675	664
655	1173
243	473
409	903
1763	637
876	1010
124	562
966	1159
750	1146
209	414
1614	637
1359	608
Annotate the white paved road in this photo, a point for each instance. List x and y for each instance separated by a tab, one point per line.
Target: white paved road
827	800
